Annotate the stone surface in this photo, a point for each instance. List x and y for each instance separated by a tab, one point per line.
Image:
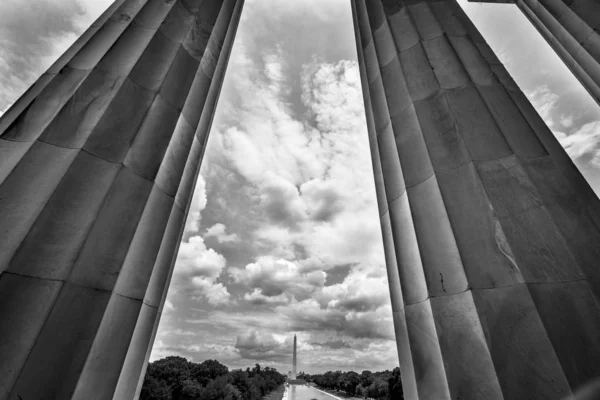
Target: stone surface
101	160
490	234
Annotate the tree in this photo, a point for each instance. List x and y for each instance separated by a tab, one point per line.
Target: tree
207	371
362	391
349	381
366	378
175	378
378	389
395	385
155	389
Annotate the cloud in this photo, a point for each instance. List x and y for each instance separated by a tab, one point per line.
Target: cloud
544	101
262	346
335	344
180	332
168	306
272	277
196	260
309	316
218	231
33	34
584	144
198	203
363	289
258	298
311	173
566	121
197	269
280	200
323	200
309	194
215	293
357	307
197	352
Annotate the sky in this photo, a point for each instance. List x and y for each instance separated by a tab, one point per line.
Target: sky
283	235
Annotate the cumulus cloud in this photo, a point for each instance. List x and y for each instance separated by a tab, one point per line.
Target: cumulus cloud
308	315
196	260
357	307
363	289
312	202
218	231
335	344
323	200
584	143
312	177
168	306
273	277
33	34
258	298
198	203
544	101
577	131
566	121
197	269
197	352
280	200
215	293
262	346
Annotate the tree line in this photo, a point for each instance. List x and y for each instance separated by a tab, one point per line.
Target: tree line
175	378
384	385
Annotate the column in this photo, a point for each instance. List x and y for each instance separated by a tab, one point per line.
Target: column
98	161
491	246
571	27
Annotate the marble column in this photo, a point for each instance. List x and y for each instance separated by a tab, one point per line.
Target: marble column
98	161
572	28
490	235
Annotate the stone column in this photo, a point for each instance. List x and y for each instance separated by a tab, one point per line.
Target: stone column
98	161
571	27
491	241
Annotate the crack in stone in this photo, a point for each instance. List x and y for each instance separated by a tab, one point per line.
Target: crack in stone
442	280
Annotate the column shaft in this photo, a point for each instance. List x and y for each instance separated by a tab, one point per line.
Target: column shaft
490	245
571	28
98	162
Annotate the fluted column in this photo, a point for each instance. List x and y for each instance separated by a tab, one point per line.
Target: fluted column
571	27
98	161
491	247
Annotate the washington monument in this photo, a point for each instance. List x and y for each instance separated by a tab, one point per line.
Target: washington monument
294	360
490	232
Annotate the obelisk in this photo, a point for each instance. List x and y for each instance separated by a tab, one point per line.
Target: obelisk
294	360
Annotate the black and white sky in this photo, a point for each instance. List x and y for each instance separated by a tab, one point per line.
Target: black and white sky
283	235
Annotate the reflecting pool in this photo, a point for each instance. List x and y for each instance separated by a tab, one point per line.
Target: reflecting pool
298	392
